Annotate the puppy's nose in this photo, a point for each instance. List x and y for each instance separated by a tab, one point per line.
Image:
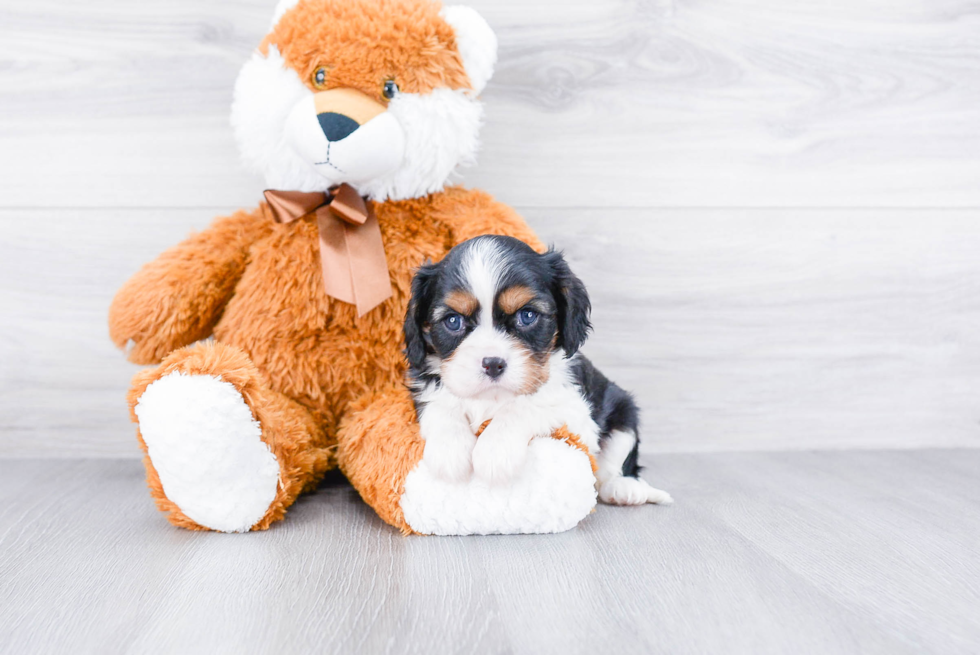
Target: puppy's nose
494	366
336	126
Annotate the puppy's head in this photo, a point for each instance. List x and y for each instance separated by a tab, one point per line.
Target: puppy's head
488	318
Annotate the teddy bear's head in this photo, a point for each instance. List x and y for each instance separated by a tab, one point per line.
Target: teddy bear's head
380	94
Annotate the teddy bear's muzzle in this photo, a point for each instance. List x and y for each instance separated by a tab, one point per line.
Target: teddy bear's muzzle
342	111
346	136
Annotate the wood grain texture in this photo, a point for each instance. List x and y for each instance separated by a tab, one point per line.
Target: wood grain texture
825	553
737	330
621	103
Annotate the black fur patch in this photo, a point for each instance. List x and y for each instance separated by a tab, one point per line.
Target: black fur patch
613	408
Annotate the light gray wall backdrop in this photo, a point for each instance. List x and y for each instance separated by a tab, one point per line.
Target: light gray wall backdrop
773	202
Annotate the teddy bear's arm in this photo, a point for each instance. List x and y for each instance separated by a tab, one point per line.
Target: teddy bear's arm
176	299
472	213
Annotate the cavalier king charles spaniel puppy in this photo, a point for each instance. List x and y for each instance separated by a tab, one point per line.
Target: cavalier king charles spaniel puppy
493	331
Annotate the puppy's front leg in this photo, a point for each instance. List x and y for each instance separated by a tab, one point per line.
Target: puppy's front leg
449	441
500	451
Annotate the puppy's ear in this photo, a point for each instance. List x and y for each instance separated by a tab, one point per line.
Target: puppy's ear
423	290
573	303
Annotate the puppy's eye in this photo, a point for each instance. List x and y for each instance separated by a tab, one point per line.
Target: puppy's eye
320	77
389	90
527	317
453	322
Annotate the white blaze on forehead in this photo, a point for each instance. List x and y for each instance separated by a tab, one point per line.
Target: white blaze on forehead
482	267
482	270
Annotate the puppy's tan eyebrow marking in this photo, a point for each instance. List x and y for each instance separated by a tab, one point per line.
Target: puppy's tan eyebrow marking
462	302
513	298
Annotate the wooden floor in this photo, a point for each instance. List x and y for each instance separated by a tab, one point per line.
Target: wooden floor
831	552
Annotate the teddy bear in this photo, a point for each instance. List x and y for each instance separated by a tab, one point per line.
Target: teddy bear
275	333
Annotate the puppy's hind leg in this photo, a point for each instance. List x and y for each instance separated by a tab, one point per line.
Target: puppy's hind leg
618	472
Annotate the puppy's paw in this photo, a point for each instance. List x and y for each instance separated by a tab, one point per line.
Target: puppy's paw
450	458
498	460
632	491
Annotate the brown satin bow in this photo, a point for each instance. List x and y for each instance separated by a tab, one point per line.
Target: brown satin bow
352	255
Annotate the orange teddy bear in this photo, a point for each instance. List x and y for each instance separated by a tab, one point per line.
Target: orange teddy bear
356	113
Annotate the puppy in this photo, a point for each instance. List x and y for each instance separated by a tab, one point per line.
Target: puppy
493	332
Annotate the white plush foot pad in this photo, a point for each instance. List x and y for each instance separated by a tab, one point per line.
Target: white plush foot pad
555	490
207	449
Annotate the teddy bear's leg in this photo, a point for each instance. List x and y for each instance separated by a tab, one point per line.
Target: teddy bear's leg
378	444
223	451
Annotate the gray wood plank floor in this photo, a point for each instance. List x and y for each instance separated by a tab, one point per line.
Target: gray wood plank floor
830	552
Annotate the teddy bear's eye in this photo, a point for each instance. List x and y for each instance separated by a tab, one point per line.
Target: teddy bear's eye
390	89
320	77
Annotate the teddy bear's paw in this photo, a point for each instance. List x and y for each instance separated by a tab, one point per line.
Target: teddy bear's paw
631	491
553	491
207	449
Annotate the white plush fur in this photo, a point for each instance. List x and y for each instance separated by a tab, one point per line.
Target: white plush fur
476	42
207	449
371	152
552	494
265	94
431	136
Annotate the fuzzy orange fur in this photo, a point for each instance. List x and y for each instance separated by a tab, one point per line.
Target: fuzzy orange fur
379	446
301	359
419	48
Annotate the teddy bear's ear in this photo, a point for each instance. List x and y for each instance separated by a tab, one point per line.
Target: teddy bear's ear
476	42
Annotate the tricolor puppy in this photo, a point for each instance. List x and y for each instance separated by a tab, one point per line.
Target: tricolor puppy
493	332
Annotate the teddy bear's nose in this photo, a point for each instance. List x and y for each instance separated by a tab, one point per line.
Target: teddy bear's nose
336	126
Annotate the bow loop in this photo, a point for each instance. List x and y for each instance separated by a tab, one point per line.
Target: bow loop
352	255
348	205
288	206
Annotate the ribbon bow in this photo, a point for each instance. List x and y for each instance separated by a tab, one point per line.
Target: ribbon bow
352	255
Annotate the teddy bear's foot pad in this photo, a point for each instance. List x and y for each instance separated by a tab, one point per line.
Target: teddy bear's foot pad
554	491
207	449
